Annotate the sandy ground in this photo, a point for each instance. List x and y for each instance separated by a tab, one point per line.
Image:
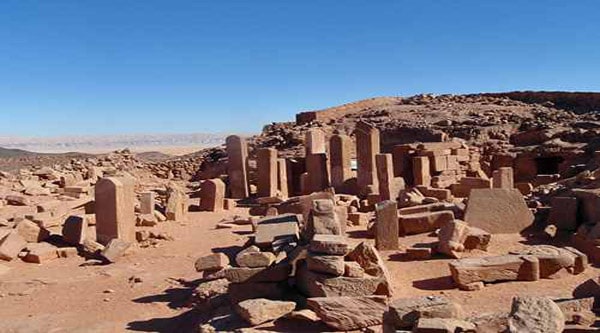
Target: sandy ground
63	296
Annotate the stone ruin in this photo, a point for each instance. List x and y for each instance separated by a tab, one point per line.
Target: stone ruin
301	263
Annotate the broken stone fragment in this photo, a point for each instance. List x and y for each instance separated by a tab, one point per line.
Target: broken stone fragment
323	219
353	269
451	237
114	250
349	313
369	259
535	314
31	232
418	223
315	284
329	244
261	310
211	262
10	245
327	264
252	257
477	239
40	252
443	325
419	253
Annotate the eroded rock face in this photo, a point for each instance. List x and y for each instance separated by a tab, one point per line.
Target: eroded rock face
349	313
535	315
261	310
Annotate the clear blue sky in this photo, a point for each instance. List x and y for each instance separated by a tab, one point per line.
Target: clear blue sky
129	66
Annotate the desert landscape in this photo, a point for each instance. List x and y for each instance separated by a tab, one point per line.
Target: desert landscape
425	213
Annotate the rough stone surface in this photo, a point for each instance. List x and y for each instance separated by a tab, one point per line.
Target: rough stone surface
498	211
261	310
349	313
405	312
10	245
535	315
452	236
211	262
327	264
329	244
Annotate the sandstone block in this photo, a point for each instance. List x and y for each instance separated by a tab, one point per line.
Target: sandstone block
10	245
261	310
535	314
327	264
498	211
211	262
349	313
418	223
329	244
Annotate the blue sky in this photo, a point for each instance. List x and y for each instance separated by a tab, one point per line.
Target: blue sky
139	66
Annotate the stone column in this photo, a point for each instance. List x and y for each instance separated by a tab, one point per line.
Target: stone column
114	205
386	228
282	180
267	172
367	146
503	178
421	171
212	195
340	150
318	175
237	154
314	141
147	203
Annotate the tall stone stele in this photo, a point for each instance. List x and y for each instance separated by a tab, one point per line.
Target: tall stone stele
340	152
237	155
267	172
367	146
115	206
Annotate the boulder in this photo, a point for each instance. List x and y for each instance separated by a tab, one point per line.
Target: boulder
535	315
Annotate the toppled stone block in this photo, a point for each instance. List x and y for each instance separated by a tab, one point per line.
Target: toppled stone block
404	313
261	310
492	269
498	211
31	232
313	284
114	250
252	257
419	253
443	325
327	264
274	273
554	259
211	262
40	253
274	228
329	244
10	245
349	313
424	222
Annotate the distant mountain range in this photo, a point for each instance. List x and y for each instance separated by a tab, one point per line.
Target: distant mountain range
112	142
